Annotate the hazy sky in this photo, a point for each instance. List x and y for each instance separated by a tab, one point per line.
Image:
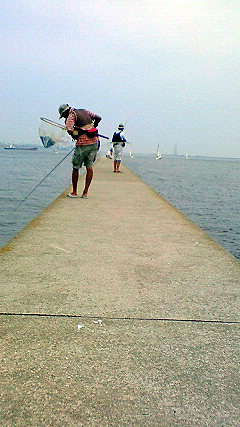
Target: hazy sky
169	69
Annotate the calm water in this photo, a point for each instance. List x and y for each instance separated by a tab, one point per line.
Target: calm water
205	190
20	172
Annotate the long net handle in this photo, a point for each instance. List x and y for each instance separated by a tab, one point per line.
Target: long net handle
51	122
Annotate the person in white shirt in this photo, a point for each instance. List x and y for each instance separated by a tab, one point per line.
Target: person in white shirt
118	142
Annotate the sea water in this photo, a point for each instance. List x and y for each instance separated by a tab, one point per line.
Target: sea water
205	190
20	172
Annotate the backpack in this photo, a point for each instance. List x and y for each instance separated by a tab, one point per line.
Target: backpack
117	137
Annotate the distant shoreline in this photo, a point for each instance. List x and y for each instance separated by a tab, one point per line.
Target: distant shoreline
181	156
126	154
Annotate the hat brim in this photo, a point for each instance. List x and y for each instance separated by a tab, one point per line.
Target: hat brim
64	111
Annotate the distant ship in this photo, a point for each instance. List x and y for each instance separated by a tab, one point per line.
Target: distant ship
20	147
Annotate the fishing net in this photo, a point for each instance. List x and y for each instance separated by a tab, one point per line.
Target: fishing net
52	133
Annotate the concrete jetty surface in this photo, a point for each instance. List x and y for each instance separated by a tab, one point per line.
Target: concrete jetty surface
118	311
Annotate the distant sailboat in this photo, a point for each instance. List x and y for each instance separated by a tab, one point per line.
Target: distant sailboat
130	153
187	156
158	155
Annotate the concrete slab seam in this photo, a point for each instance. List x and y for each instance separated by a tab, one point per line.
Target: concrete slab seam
159	319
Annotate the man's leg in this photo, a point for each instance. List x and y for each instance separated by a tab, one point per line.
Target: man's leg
75	174
118	166
88	180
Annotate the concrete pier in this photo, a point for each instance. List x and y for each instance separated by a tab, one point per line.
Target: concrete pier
118	311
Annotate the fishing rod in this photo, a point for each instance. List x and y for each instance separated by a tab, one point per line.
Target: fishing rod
127	120
94	130
36	186
19	204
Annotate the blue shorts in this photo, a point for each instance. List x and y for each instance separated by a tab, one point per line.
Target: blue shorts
84	154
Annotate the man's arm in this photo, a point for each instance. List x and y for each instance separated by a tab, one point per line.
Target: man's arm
123	137
96	119
70	122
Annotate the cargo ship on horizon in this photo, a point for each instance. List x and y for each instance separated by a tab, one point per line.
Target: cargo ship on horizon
19	147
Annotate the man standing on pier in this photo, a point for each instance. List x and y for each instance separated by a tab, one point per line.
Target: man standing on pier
118	142
81	125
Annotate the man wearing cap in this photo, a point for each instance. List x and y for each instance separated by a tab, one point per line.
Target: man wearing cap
81	125
118	142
